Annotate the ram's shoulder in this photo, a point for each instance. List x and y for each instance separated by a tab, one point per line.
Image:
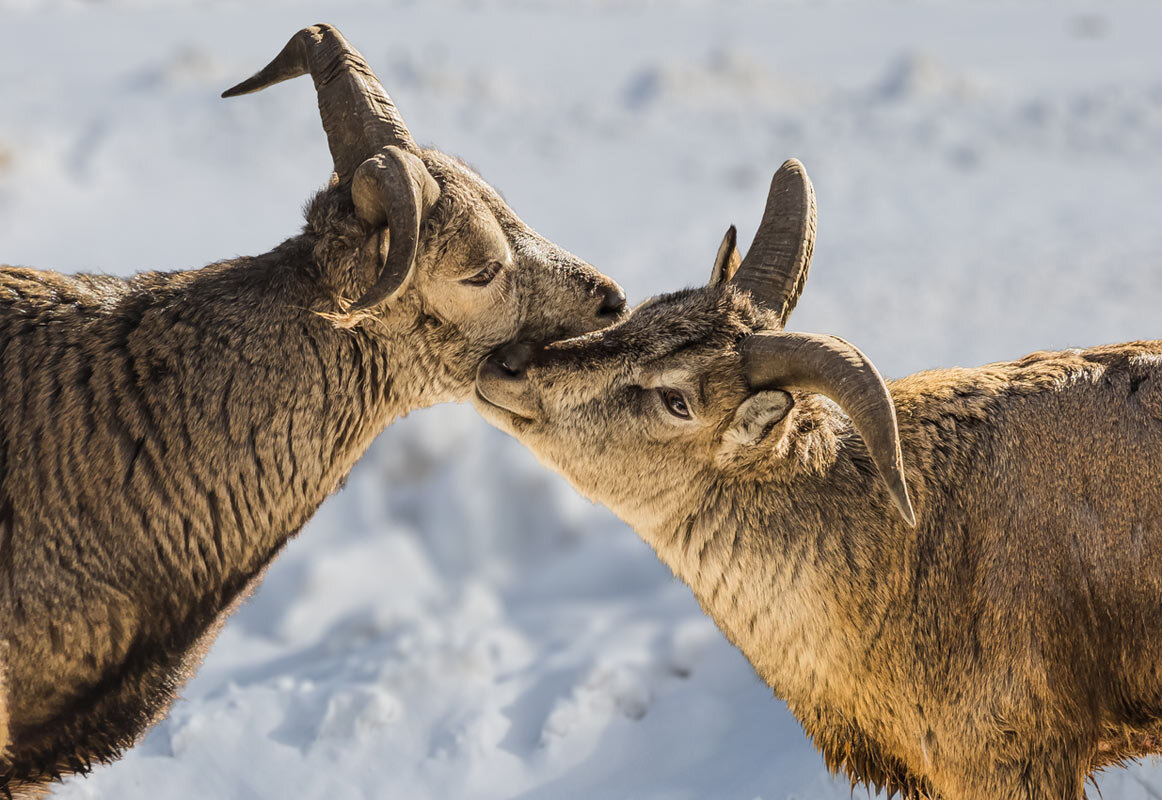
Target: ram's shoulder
971	390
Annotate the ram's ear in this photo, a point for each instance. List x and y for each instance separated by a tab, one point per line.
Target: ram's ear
728	260
762	417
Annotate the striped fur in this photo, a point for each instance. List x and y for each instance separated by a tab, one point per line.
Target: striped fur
162	437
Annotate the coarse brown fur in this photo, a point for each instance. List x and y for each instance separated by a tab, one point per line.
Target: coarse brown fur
162	437
1006	647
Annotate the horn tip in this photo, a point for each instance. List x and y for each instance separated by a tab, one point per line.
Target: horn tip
909	516
238	89
371	299
902	502
362	304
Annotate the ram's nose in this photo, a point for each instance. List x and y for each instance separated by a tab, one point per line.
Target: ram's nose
502	381
510	361
612	301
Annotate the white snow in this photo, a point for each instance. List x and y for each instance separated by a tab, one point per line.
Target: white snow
458	623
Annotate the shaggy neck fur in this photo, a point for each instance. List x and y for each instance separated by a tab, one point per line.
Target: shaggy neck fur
192	422
781	560
997	649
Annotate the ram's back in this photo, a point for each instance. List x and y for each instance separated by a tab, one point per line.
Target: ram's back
1039	551
1057	442
54	335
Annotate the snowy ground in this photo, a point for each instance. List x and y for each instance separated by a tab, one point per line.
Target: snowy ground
458	623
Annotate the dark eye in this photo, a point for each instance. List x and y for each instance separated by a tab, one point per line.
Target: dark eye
675	403
485	276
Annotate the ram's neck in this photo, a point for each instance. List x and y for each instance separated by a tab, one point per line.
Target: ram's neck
782	560
260	406
173	432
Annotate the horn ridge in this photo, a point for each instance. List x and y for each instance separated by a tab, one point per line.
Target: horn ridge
393	189
358	115
775	268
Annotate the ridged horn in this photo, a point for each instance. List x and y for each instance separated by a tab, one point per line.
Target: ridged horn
393	189
775	268
834	368
358	116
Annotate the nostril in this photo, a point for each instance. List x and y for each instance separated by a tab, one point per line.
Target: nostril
612	300
509	367
513	359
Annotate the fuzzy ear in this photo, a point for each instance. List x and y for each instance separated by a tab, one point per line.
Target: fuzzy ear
728	259
761	416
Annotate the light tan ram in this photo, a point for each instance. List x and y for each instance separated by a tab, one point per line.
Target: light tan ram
997	634
161	437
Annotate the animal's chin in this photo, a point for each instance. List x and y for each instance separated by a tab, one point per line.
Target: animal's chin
506	419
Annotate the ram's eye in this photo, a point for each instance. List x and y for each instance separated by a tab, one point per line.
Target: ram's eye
675	403
485	276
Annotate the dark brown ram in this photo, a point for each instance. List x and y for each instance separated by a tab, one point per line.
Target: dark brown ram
161	437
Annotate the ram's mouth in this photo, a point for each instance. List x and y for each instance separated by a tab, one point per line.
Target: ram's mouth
482	400
507	416
502	385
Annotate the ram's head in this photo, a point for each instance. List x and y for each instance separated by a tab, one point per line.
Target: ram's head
428	239
700	382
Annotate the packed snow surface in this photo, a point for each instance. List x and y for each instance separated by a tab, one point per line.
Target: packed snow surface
457	622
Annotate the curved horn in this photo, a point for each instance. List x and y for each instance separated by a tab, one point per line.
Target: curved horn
832	367
357	113
393	189
775	268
